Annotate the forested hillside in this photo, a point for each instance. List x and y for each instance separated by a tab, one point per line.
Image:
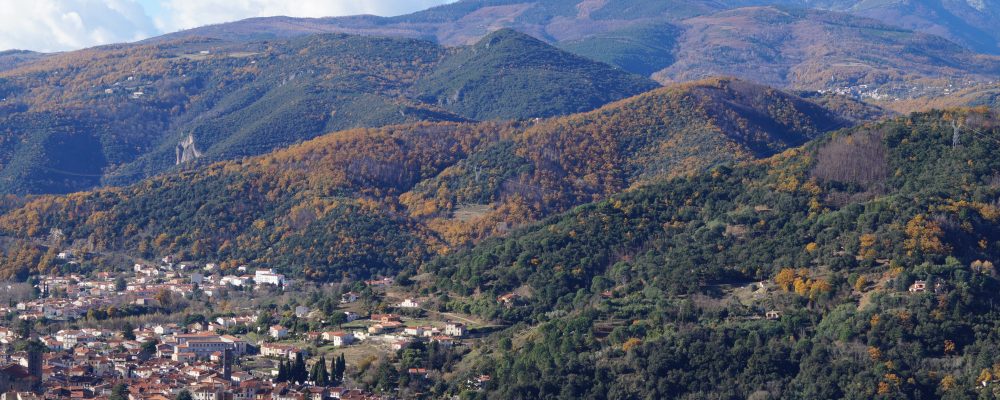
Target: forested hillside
562	162
781	278
369	201
117	114
12	58
509	74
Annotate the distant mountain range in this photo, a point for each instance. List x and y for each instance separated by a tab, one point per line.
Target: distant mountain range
885	51
971	23
819	50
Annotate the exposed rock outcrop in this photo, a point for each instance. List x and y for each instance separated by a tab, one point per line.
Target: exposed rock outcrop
186	151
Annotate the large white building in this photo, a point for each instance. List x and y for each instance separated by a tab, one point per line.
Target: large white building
268	277
202	345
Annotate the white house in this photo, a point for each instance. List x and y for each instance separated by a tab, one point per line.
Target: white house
409	303
349	297
454	329
301	311
279	350
162	330
339	339
232	280
278	332
351	316
414	331
226	322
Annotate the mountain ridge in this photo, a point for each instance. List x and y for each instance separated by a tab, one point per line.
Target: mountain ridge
407	182
463	22
135	103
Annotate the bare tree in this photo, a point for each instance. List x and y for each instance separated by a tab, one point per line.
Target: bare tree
859	159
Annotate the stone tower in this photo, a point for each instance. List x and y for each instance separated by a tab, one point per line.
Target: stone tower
227	364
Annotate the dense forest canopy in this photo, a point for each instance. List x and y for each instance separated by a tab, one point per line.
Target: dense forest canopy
656	292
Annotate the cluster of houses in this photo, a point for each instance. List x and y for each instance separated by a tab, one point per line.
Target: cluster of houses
89	363
70	297
160	360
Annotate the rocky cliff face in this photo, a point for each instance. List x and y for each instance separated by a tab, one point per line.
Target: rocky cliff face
186	151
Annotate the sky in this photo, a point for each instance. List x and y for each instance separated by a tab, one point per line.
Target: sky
60	25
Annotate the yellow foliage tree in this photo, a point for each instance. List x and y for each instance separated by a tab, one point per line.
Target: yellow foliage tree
860	283
985	377
785	278
866	246
819	287
924	236
949	347
948	383
801	286
631	343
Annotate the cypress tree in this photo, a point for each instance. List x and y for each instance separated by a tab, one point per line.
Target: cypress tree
314	373
333	371
282	372
322	378
299	372
341	368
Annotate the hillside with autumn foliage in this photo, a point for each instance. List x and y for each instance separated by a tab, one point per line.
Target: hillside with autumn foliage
618	200
797	261
857	266
117	114
368	201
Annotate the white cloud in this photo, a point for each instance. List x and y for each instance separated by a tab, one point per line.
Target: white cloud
56	25
185	14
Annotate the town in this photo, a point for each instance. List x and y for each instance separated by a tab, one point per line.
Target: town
180	331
